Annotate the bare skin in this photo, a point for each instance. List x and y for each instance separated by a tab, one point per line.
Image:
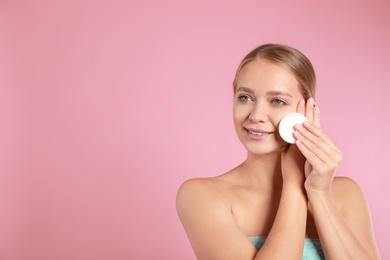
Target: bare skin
284	192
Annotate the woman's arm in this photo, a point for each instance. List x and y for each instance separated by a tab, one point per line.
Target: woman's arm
345	233
286	238
214	233
209	223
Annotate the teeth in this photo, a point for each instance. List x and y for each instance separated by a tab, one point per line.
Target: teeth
256	133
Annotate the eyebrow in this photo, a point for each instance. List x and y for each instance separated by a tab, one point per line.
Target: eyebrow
244	89
270	93
279	93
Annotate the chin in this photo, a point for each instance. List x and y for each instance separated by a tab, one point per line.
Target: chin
264	147
264	150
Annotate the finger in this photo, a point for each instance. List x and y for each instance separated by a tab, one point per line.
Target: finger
317	116
316	131
310	110
317	157
311	157
325	150
301	107
315	146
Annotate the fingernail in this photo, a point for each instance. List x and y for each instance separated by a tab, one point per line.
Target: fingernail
311	101
298	126
297	134
317	109
307	123
302	102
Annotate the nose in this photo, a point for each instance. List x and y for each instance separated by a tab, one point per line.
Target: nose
259	114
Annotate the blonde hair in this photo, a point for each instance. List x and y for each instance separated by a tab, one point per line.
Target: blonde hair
287	57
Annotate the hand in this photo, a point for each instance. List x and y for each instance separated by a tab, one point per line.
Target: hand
293	161
322	155
292	164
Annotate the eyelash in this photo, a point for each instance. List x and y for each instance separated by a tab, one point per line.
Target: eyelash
274	101
244	96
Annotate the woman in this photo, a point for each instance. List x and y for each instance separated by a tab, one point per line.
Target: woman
283	201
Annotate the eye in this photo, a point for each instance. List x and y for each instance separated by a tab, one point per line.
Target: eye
278	102
244	98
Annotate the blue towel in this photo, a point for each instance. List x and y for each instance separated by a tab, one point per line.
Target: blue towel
312	247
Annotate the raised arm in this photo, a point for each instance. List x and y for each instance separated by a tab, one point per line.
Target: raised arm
345	229
286	238
338	205
213	232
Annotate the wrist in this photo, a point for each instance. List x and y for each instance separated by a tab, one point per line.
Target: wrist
294	184
319	196
294	192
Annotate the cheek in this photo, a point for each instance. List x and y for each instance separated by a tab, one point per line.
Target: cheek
240	113
278	115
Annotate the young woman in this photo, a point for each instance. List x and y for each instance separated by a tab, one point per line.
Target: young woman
283	201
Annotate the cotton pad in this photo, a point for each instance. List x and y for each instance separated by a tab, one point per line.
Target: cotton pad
286	126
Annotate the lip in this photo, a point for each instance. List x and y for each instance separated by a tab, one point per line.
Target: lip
257	130
264	134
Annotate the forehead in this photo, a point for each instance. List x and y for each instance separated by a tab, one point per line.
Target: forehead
262	74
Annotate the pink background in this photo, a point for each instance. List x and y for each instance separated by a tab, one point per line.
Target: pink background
106	107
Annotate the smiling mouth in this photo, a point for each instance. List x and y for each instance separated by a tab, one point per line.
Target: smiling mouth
258	133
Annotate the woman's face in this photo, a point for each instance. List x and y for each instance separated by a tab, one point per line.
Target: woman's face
265	92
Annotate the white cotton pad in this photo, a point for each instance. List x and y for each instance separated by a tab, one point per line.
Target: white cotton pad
286	126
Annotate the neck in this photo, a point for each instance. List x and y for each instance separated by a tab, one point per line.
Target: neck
263	170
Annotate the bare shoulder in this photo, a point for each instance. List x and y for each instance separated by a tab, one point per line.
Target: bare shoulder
354	206
347	192
193	188
199	190
205	213
345	185
196	183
